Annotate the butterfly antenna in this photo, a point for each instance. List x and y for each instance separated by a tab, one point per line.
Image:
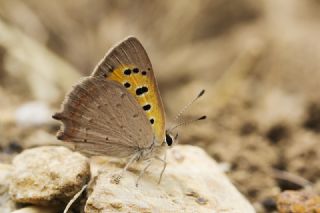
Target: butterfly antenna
184	123
188	105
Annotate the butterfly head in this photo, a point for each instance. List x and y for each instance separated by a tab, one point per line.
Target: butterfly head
170	138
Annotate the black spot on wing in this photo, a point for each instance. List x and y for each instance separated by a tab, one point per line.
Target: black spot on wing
141	90
127	85
135	70
127	72
152	121
146	107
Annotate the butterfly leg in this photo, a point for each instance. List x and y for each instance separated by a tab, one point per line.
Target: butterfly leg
164	161
132	159
116	177
142	172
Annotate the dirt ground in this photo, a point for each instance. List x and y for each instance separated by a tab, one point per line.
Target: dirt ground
259	62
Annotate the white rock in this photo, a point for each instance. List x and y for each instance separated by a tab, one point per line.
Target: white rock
33	114
48	175
192	182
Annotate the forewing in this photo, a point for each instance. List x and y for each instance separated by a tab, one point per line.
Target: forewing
129	65
100	117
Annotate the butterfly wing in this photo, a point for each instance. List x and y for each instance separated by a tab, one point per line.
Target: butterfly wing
129	65
101	117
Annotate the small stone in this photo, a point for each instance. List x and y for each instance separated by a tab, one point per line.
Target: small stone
116	205
298	202
33	114
48	175
202	201
192	193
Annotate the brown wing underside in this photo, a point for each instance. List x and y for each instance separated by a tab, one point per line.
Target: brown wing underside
101	118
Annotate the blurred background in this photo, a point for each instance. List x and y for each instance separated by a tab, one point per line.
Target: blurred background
259	62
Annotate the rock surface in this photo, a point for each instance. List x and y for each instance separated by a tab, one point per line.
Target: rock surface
48	175
6	205
298	201
192	182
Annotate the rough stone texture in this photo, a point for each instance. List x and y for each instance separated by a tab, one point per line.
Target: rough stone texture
6	204
192	182
48	175
298	202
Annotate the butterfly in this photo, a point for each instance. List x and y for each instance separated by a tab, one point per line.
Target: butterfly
118	111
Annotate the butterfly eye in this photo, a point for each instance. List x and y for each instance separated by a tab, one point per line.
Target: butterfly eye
169	139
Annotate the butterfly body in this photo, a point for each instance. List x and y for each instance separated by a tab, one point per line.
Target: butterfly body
117	111
152	152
